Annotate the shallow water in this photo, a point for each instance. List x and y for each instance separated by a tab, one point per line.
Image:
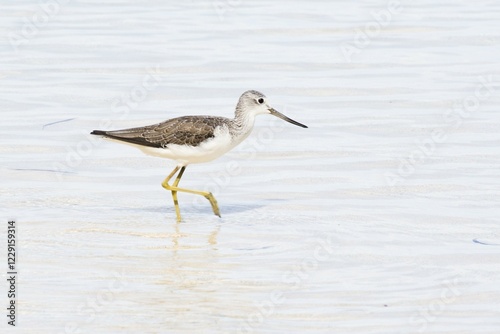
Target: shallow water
382	217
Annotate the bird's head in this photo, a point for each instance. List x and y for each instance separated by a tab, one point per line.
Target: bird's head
255	103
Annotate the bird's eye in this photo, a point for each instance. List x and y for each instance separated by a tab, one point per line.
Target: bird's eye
261	100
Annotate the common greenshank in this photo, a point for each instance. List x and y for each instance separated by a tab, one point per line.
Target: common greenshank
196	139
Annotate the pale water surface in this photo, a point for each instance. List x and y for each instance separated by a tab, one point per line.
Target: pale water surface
382	217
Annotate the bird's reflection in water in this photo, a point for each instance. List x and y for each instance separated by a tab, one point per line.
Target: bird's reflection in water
178	235
192	273
193	255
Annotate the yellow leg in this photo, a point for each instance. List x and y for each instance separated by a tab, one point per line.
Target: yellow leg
165	185
174	189
174	193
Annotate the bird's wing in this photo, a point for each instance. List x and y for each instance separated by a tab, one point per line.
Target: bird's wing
187	130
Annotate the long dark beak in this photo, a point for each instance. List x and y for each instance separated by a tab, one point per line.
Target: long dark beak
289	120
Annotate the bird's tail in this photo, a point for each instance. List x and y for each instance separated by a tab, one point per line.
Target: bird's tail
98	132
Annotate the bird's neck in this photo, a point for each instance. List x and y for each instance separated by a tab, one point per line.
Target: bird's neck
242	124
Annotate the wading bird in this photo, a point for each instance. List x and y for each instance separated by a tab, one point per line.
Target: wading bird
196	139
